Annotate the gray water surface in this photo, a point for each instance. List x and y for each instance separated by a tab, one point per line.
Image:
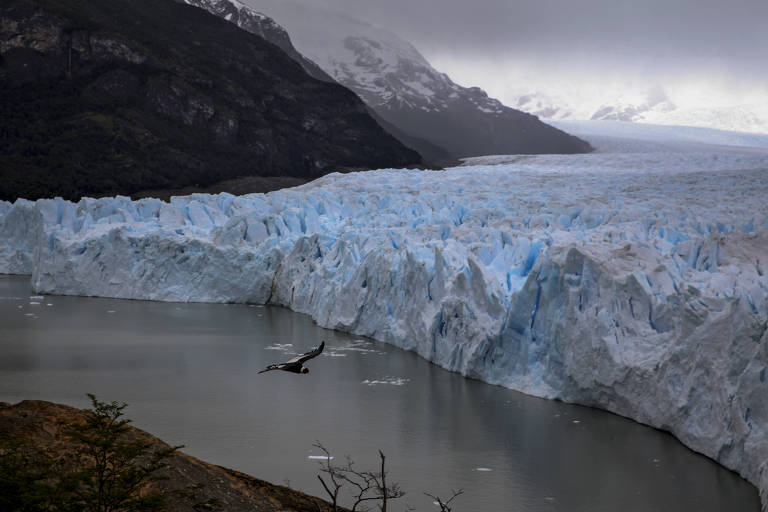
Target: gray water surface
189	375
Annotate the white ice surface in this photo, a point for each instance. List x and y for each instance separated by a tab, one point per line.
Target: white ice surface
641	137
632	282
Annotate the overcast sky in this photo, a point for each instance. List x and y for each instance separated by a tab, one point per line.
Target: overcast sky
697	46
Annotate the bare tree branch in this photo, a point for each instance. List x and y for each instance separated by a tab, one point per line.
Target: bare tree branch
444	504
383	484
365	486
333	475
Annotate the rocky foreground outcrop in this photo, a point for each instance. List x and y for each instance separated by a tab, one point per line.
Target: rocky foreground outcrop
41	424
117	96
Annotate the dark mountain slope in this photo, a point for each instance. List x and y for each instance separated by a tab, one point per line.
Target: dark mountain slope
432	154
470	131
114	96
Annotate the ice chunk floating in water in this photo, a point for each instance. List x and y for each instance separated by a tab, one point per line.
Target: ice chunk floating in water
636	283
393	381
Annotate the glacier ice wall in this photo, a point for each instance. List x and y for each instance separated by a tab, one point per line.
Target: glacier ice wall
634	283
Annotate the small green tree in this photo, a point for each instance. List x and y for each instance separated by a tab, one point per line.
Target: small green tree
33	479
110	470
20	479
100	469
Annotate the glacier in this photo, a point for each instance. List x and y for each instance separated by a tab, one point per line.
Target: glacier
636	283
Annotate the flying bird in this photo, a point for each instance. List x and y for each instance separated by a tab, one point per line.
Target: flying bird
296	365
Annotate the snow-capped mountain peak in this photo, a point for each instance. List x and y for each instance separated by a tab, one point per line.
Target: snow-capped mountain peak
544	106
385	70
243	16
657	102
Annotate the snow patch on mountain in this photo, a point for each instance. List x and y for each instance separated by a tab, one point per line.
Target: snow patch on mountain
634	283
240	14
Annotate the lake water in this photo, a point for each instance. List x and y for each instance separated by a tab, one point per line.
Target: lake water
189	375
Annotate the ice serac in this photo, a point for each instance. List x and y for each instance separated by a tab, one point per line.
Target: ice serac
19	228
634	283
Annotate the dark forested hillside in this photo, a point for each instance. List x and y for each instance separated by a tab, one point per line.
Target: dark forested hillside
115	96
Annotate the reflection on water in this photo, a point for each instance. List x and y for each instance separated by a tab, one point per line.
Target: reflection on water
188	372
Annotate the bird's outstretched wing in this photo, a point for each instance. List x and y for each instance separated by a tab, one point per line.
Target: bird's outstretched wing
307	356
273	367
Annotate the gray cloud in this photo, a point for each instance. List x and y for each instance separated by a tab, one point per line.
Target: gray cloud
684	35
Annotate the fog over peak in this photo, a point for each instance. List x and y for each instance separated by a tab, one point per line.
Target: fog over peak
664	30
697	51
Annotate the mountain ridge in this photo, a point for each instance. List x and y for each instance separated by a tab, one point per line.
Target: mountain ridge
262	25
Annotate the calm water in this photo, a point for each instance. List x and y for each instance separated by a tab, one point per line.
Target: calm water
188	372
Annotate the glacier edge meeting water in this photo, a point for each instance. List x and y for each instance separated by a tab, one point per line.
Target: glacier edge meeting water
631	283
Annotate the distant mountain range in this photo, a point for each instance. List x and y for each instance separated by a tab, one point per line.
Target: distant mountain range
657	108
103	97
424	108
